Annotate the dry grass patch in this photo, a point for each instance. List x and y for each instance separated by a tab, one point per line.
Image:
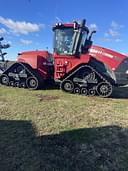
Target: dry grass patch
52	130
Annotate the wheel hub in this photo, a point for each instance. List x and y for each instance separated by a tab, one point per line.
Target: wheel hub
32	83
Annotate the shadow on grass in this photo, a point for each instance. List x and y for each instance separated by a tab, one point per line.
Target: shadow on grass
18	146
51	86
120	93
91	149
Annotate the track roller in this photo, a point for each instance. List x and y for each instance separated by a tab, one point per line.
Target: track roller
104	89
17	84
91	92
11	83
84	91
22	85
77	90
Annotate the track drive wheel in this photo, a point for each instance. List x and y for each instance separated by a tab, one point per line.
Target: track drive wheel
67	86
4	79
104	89
32	83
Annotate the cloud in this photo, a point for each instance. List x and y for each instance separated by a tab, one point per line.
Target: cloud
118	40
113	33
20	27
26	42
2	31
93	26
116	26
106	39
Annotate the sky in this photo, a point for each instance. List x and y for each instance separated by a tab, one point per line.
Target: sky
27	24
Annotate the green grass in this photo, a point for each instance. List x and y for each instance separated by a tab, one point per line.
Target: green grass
52	130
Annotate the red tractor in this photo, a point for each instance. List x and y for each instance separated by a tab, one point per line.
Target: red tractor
80	67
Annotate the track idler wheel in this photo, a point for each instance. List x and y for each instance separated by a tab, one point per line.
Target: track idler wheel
32	83
104	89
4	79
67	86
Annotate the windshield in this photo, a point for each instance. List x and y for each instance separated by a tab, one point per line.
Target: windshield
63	40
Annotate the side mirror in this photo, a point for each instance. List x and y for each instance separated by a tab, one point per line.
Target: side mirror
90	35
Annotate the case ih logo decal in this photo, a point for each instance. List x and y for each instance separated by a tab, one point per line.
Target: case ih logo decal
100	52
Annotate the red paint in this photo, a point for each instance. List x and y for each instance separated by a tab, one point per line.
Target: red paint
64	64
109	57
37	60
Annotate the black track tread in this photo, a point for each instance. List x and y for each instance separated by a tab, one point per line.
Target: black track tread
102	78
27	67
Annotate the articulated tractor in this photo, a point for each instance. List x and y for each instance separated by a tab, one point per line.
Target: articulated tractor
80	67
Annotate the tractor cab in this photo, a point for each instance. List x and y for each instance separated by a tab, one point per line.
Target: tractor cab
69	39
71	44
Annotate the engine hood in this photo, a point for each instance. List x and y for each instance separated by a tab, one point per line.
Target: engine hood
35	58
109	57
28	54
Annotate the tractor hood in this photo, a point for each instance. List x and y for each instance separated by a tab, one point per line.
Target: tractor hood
116	63
31	54
35	58
109	57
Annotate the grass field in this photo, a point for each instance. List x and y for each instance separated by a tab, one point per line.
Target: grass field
49	130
